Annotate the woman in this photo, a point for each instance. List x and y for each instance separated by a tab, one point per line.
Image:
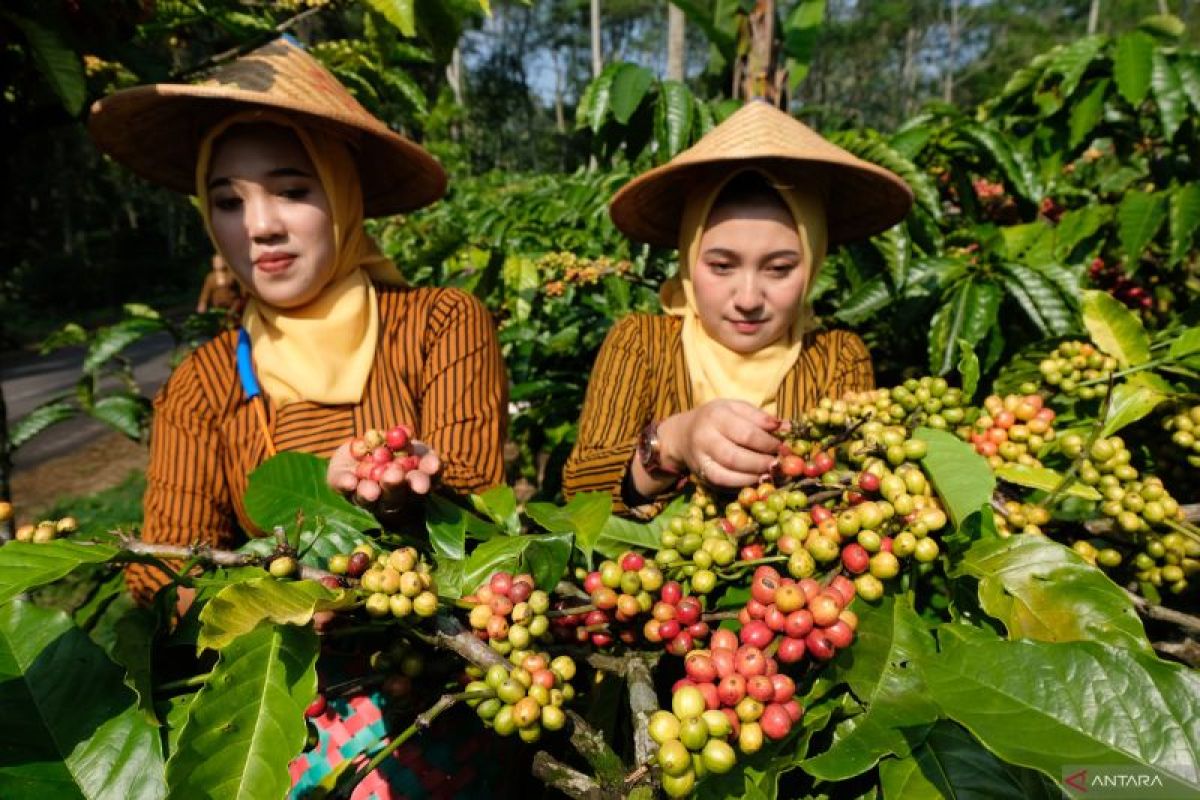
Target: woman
700	391
285	165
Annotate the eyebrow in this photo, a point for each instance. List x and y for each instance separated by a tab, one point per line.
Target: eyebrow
727	253
282	172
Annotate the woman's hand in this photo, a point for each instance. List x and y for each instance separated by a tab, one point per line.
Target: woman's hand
388	490
725	443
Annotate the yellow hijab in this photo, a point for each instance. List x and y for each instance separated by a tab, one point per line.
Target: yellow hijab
714	370
321	352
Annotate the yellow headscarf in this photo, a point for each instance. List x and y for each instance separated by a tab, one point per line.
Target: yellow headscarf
714	370
321	352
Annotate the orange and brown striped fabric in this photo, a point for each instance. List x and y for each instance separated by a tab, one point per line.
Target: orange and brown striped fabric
640	375
438	367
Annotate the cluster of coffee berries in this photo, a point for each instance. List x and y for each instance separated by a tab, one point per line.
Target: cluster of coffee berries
1073	363
509	612
1014	429
1184	428
392	457
699	536
1169	561
397	583
46	531
798	618
677	620
1021	517
1098	553
1136	506
1112	279
401	664
792	463
526	698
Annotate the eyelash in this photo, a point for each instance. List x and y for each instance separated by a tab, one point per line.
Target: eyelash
233	203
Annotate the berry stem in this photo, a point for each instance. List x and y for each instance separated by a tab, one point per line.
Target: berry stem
555	613
1151	364
1069	476
183	683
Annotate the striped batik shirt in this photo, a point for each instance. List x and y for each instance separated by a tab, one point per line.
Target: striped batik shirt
640	375
437	367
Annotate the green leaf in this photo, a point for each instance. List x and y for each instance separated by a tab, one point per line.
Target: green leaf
951	763
242	607
127	413
801	31
135	632
968	367
110	341
1043	590
398	12
446	523
1186	348
959	474
1040	298
629	88
620	534
1017	166
26	565
294	483
544	555
894	245
58	63
1087	113
879	667
1168	94
1133	65
672	119
1115	329
601	96
72	728
499	504
1184	220
1188	67
38	420
1048	705
1139	217
247	722
969	313
1077	226
1165	26
315	547
867	300
1043	478
1130	402
1072	62
585	516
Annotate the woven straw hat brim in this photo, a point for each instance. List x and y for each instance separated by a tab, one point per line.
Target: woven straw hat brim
156	130
862	198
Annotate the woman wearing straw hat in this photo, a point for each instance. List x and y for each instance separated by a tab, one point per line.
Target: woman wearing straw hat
286	165
752	208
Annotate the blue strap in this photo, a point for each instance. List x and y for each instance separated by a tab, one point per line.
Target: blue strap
245	366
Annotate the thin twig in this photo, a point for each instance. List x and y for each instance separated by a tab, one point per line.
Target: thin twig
1163	614
1186	651
203	554
558	775
1105	525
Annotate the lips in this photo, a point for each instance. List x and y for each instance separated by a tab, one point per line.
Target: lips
747	326
274	262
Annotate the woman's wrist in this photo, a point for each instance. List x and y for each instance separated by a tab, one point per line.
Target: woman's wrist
671	439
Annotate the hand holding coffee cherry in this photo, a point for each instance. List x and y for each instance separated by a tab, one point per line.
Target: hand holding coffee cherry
723	442
383	467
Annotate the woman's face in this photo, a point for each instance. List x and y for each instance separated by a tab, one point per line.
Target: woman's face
749	279
270	215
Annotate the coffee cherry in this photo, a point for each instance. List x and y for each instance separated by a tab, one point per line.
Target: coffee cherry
283	567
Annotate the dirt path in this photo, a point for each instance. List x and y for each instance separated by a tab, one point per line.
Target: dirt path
102	463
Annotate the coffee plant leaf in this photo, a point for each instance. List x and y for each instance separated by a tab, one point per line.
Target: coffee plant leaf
74	729
315	544
1016	164
1115	329
1130	402
969	312
1043	478
1139	216
620	534
56	60
115	338
543	555
1045	591
879	671
133	650
291	484
1168	94
240	608
38	420
1045	705
585	516
1132	66
961	476
1087	113
629	88
399	13
951	763
1040	298
673	121
968	368
1184	220
247	722
1188	67
128	414
1076	227
27	565
1186	348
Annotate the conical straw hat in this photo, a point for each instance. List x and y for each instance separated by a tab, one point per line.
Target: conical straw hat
156	130
863	198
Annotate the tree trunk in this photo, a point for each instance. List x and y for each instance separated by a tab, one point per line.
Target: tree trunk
951	54
676	43
908	71
6	526
560	114
454	76
1093	17
759	78
597	58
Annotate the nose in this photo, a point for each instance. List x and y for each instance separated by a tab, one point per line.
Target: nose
748	295
263	221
